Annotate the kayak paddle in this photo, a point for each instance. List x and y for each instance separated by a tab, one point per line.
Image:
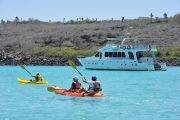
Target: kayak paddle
23	67
73	65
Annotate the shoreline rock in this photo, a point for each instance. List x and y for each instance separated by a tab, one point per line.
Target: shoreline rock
19	59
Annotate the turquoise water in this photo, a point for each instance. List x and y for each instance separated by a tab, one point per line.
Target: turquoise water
129	95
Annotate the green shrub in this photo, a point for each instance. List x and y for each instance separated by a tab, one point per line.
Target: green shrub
167	53
158	54
66	52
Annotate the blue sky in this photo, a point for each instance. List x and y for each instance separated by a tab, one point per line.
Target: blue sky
71	9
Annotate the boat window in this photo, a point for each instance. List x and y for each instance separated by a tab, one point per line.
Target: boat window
140	54
114	54
97	54
131	55
119	54
123	54
110	54
106	54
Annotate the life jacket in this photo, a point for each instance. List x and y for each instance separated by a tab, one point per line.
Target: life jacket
39	78
76	85
96	86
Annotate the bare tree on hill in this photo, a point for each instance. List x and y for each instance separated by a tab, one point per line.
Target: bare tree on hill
165	17
16	20
151	16
122	20
2	21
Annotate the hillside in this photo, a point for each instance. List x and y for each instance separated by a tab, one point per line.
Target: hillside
53	43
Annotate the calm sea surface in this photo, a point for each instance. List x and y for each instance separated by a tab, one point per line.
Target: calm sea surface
129	95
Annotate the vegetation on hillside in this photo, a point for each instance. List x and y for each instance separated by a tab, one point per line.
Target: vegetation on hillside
167	53
66	52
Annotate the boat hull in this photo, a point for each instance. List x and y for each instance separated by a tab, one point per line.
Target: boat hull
129	65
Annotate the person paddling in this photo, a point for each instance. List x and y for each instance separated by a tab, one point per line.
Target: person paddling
76	85
94	86
38	77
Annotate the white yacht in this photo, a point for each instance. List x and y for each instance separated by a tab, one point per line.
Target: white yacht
121	56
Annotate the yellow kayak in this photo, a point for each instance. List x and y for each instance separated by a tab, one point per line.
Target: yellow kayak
26	81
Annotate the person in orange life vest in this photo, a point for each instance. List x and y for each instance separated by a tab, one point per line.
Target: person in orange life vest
76	85
94	85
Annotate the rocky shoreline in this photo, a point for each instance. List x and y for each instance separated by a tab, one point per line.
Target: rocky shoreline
25	59
173	63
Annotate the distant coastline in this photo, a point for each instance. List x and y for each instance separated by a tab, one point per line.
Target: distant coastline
35	42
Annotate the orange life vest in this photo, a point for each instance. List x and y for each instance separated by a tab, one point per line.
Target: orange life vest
76	85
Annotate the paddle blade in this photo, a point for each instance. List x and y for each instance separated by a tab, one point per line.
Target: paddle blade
22	66
71	63
53	88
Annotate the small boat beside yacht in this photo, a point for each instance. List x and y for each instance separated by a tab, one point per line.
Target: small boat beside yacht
121	56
